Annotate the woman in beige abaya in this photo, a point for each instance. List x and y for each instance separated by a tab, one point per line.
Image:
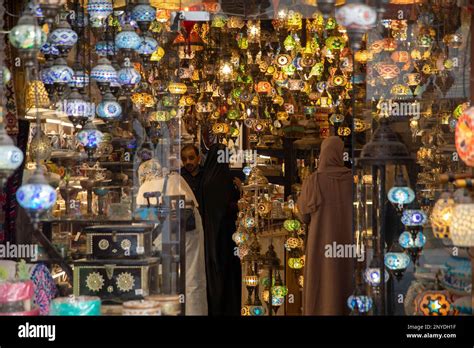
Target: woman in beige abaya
325	204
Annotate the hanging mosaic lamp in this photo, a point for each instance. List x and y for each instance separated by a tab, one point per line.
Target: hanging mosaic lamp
98	11
414	217
77	108
109	109
63	37
127	40
128	77
143	13
36	196
80	79
105	48
462	230
12	156
148	46
357	18
400	194
61	75
104	74
397	263
441	216
28	38
464	137
359	304
90	137
49	50
50	8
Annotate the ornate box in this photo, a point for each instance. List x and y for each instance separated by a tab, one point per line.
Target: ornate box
116	280
119	241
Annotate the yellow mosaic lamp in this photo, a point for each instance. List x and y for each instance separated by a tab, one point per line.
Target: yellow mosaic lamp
36	99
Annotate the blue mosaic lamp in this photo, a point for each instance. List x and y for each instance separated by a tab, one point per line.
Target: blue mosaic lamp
77	109
104	74
143	13
397	263
63	37
28	38
410	240
49	50
414	217
359	304
90	137
400	194
148	45
105	48
128	77
80	80
109	109
11	158
98	11
127	40
61	75
36	196
373	275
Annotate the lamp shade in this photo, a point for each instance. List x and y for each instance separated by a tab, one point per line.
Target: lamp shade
401	195
60	72
148	45
462	225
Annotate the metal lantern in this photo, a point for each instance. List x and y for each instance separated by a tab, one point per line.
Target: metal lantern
441	216
50	8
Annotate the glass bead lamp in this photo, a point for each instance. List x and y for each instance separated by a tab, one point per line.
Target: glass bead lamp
109	109
63	37
28	38
127	40
90	137
49	50
413	242
36	196
143	13
11	158
98	11
462	225
441	216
